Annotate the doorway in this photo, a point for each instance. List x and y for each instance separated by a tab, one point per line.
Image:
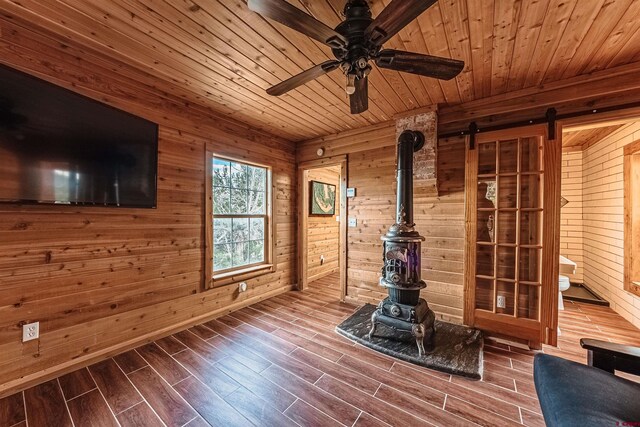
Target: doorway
597	238
322	223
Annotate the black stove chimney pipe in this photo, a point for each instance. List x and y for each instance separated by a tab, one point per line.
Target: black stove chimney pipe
408	143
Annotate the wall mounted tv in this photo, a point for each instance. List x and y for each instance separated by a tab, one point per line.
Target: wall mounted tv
59	147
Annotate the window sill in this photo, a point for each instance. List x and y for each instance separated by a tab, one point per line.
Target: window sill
241	274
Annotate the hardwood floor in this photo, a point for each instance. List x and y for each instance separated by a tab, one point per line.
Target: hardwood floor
280	363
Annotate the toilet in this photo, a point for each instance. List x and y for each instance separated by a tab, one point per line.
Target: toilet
563	285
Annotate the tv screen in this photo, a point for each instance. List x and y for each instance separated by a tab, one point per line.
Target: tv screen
60	147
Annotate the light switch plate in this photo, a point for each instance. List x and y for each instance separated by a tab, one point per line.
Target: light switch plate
351	192
353	222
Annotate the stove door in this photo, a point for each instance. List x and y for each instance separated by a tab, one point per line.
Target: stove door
512	228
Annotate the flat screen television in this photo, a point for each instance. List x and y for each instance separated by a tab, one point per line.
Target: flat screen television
59	147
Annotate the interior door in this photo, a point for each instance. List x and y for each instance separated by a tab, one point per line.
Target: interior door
512	227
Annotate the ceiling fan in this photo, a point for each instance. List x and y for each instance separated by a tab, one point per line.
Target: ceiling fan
356	41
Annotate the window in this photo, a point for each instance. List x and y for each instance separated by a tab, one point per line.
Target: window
632	217
240	211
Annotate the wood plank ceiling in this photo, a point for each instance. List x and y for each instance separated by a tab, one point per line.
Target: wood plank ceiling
583	139
218	54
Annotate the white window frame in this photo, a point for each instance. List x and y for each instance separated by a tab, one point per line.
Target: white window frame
244	272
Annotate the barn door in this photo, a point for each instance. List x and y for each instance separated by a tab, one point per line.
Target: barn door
512	234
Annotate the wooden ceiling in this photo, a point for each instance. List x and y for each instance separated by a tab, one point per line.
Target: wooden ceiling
583	139
218	54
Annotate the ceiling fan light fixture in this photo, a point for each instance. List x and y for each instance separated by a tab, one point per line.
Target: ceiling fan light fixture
351	84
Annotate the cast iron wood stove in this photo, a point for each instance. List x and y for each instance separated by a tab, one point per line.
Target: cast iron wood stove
403	309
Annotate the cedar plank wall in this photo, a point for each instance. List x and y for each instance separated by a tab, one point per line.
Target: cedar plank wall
323	232
99	280
603	220
440	219
571	233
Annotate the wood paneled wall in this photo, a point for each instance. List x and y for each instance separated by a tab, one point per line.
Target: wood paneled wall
102	279
603	213
371	170
323	232
571	241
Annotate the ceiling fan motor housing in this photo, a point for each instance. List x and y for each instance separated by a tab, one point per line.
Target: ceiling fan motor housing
356	56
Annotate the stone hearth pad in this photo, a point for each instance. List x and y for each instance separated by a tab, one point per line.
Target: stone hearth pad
457	349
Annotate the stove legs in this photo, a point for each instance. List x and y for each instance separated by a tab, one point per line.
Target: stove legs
374	323
418	332
423	331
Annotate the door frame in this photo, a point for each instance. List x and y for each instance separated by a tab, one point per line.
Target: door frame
552	166
303	215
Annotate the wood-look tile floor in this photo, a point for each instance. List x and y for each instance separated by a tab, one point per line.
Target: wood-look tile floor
280	363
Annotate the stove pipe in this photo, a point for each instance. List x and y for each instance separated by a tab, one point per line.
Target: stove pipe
401	255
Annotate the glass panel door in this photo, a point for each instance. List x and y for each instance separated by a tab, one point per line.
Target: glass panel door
509	226
506	217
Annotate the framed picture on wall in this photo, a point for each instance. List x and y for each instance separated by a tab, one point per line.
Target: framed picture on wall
322	200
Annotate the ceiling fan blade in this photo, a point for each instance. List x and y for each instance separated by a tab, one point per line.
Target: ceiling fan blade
303	77
394	18
359	101
416	63
289	15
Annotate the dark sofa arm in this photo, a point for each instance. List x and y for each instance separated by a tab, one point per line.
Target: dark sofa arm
611	356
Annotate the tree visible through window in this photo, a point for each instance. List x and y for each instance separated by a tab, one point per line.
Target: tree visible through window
240	200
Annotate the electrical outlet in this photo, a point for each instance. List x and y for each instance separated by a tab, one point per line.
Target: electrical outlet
353	222
30	331
502	301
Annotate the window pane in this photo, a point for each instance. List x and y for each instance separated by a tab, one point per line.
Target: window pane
240	254
507	227
530	228
528	302
506	265
530	154
530	265
255	202
256	229
221	200
484	260
505	292
256	251
221	173
509	156
487	158
507	192
222	257
222	231
239	190
530	191
484	294
257	178
486	226
238	175
240	232
238	201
